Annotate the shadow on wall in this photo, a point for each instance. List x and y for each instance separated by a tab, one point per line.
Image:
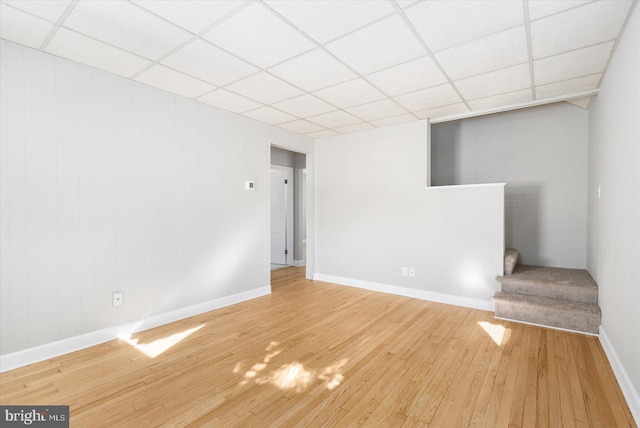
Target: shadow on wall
523	217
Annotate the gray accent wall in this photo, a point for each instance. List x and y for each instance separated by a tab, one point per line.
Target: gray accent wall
614	217
541	153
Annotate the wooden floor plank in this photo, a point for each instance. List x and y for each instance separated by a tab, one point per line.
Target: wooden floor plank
319	354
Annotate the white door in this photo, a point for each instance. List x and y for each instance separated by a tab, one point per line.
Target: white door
278	217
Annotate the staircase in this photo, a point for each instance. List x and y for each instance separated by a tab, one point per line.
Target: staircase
554	297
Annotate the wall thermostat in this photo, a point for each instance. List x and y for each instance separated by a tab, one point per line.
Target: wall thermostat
249	185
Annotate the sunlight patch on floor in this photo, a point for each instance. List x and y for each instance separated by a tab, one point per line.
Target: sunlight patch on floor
157	347
496	332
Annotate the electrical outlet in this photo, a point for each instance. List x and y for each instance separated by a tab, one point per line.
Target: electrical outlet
118	298
405	271
412	272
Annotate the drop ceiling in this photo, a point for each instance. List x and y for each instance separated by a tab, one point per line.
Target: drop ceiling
323	67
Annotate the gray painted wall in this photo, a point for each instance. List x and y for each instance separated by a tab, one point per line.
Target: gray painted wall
541	153
614	218
107	185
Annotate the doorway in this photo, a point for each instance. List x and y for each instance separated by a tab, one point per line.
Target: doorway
281	216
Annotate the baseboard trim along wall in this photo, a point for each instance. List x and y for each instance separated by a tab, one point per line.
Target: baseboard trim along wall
628	390
299	263
50	350
450	299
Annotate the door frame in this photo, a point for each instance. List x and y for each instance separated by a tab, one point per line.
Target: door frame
289	197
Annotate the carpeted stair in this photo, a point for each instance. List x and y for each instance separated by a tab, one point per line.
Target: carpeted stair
555	297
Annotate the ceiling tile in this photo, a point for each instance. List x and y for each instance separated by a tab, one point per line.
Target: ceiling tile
23	28
573	64
541	8
405	3
445	111
326	20
192	15
501	100
351	93
381	45
269	115
377	110
567	31
429	98
322	134
568	86
353	128
313	70
395	120
408	77
304	106
47	9
259	36
496	82
126	26
85	50
174	81
334	119
229	101
265	88
490	53
443	24
207	62
301	126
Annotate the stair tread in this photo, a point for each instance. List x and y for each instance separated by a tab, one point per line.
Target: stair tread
577	278
547	302
511	256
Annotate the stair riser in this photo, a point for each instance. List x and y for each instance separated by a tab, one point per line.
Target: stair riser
573	294
588	323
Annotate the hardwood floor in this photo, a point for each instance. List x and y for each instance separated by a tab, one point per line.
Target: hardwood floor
317	354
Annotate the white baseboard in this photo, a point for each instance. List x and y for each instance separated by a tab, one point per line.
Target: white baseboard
546	326
299	263
628	390
39	353
450	299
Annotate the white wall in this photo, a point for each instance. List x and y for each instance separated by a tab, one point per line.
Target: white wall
614	219
107	184
374	216
541	153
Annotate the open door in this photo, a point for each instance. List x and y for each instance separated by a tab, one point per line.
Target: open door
281	215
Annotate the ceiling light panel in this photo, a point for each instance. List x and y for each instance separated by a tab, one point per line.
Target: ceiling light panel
229	101
572	64
450	110
23	28
443	24
324	21
85	50
566	31
334	119
541	8
265	88
304	106
377	110
511	98
210	63
313	70
351	93
301	126
496	82
259	36
270	115
380	45
429	98
489	53
395	120
353	128
47	9
127	26
174	81
568	86
192	15
411	76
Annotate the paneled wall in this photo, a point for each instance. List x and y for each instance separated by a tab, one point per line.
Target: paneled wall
110	185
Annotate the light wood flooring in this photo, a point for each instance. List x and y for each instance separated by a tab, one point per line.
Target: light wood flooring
316	354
